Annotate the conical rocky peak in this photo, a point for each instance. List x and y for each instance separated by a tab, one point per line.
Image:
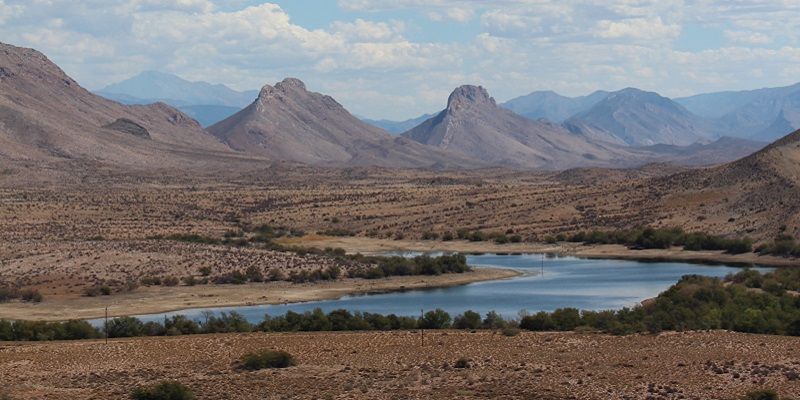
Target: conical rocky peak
285	86
291	84
469	95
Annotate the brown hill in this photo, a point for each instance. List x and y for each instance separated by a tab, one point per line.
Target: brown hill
288	122
757	195
474	126
47	116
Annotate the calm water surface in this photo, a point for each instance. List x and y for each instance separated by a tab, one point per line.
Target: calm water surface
566	282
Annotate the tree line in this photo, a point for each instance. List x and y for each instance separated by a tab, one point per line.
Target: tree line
745	302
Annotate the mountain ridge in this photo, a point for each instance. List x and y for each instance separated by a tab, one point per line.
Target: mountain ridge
288	122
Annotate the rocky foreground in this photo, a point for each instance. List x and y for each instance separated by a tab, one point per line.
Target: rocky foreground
699	365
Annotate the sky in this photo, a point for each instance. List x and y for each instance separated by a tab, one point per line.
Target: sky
397	59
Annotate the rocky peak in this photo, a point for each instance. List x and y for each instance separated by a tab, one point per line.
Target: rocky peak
469	95
287	85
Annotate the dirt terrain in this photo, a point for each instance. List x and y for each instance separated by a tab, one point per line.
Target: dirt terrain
396	365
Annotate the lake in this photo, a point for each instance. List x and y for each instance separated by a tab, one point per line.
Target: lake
587	284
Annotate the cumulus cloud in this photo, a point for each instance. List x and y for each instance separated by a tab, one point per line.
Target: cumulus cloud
638	28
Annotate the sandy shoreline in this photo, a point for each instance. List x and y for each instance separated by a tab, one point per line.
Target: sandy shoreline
154	300
379	246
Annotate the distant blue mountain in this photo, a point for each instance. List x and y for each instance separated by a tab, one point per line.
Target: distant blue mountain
552	106
397	127
207	103
763	114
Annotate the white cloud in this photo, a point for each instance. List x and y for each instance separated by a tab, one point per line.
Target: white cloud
638	29
747	37
9	11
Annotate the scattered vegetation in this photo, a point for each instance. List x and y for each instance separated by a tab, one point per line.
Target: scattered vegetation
29	295
167	390
267	359
652	238
783	245
744	302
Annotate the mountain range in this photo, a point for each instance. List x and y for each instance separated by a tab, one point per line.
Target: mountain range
474	126
207	103
44	114
630	116
288	122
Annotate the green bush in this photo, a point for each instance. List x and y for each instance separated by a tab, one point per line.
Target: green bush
436	319
469	320
267	359
166	390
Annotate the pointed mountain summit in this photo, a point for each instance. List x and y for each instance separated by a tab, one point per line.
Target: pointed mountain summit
634	117
45	115
474	126
288	122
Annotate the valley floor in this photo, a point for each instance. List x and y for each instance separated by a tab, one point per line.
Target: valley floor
396	365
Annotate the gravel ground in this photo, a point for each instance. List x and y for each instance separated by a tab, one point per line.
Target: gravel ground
395	365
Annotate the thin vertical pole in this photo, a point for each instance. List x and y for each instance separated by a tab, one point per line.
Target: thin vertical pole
421	328
106	325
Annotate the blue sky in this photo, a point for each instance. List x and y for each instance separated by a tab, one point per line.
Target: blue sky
400	58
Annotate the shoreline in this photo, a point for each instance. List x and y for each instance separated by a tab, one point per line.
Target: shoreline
157	300
371	246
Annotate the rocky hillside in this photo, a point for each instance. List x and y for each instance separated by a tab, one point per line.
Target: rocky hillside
288	122
46	115
757	195
474	126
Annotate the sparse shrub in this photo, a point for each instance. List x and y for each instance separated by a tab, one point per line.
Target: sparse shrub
462	363
447	236
231	278
550	239
170	281
205	271
275	274
189	280
151	281
101	290
510	331
167	390
430	236
267	359
254	274
31	295
764	394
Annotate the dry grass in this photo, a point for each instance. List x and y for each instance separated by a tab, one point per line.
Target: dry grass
702	365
